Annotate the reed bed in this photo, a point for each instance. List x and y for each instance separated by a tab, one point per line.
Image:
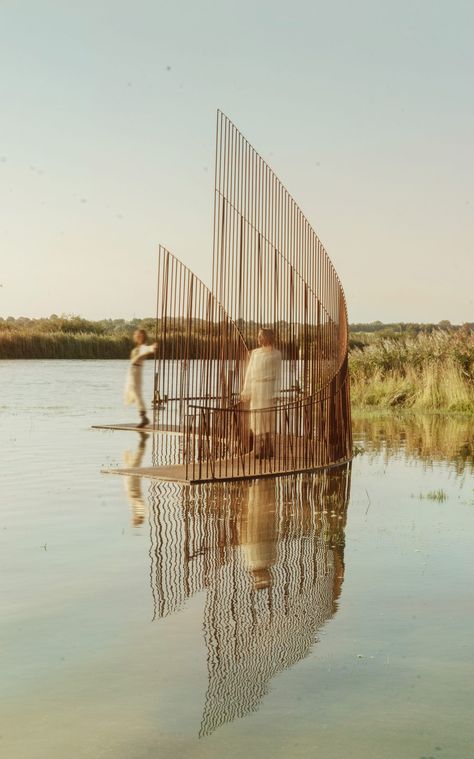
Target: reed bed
426	372
63	345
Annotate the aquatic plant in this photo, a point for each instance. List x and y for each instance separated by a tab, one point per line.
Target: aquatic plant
437	495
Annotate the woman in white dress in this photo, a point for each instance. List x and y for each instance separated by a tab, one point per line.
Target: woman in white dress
262	390
133	386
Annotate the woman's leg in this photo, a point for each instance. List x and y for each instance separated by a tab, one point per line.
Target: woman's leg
267	433
139	397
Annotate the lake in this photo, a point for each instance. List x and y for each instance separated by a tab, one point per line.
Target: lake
325	615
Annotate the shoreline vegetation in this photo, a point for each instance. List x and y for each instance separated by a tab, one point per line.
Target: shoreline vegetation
421	367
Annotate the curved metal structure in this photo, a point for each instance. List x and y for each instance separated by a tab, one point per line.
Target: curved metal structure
270	271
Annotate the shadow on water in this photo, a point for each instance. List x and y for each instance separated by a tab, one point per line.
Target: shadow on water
270	556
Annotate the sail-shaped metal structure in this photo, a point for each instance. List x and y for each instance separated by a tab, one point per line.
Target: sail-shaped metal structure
269	271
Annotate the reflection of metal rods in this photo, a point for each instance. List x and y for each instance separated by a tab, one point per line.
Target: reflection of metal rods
270	556
269	270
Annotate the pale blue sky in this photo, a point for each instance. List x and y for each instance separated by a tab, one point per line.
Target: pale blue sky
365	110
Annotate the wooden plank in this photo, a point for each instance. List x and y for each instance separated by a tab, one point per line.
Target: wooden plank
172	473
133	428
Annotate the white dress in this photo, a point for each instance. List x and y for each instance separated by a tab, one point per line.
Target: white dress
133	384
262	388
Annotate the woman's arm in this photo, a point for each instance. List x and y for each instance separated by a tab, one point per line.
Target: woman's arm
144	351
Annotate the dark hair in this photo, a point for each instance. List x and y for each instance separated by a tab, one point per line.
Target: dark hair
143	333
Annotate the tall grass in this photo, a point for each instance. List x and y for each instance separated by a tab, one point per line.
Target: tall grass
80	345
422	372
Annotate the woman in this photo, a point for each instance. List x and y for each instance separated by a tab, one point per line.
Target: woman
262	389
133	387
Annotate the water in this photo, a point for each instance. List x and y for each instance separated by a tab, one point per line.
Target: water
322	616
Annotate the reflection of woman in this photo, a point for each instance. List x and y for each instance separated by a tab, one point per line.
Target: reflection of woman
258	531
133	483
262	389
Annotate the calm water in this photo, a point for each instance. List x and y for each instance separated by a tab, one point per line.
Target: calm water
327	616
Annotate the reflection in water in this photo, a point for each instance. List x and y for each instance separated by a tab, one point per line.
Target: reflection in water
133	484
258	530
429	437
270	554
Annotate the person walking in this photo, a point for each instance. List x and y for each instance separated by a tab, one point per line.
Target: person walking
133	386
262	389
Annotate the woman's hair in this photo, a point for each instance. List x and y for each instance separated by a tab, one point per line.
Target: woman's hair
268	336
143	333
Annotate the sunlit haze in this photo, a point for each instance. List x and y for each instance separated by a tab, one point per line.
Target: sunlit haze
364	110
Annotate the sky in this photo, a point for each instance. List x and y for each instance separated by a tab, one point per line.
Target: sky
365	111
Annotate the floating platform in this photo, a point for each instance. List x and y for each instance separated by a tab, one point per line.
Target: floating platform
134	428
229	470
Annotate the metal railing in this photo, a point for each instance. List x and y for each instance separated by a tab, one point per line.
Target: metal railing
304	434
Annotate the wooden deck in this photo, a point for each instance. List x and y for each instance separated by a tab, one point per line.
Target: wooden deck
133	428
238	468
230	470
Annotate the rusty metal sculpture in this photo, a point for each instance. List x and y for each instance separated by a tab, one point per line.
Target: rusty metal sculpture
270	273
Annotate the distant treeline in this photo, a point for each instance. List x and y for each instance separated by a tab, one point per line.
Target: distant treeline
65	336
408	328
419	366
68	337
73	337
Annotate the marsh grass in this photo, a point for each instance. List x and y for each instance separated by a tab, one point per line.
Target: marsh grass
425	372
62	345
